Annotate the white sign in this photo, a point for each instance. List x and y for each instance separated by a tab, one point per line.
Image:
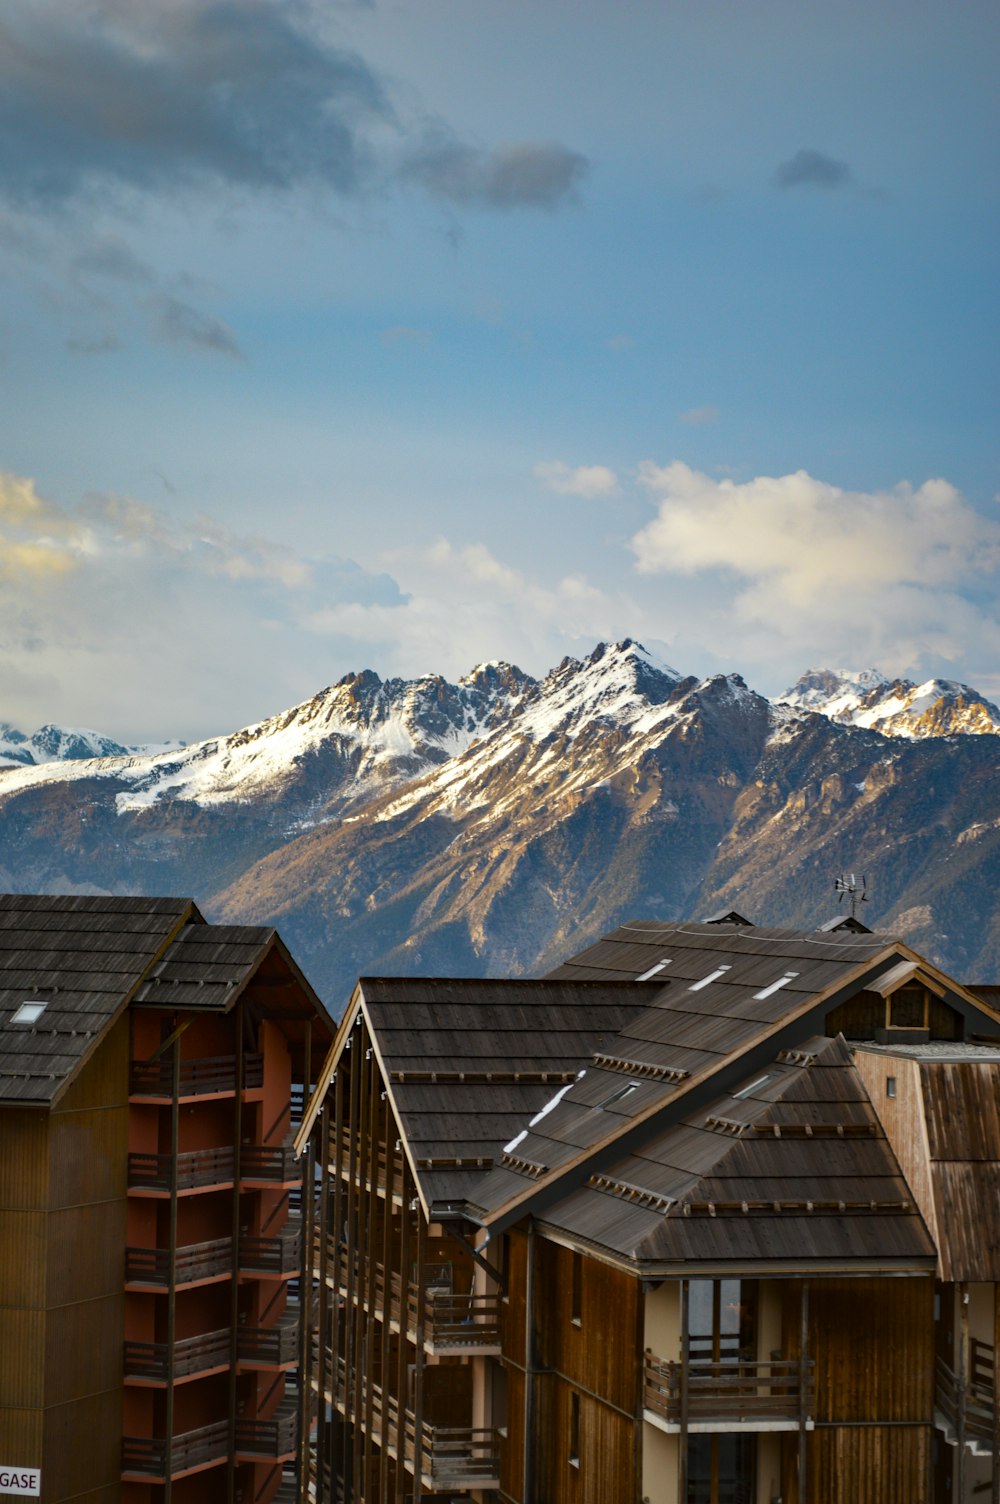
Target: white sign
21	1480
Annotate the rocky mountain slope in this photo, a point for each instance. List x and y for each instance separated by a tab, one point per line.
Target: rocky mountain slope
896	707
498	823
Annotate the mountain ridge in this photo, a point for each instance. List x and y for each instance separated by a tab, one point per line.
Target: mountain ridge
494	824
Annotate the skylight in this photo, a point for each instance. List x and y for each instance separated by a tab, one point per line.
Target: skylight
617	1096
29	1013
713	976
653	970
774	986
748	1091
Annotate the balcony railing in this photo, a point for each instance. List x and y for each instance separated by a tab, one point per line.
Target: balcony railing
214	1075
196	1261
196	1169
450	1456
146	1457
270	1163
454	1322
732	1390
191	1355
268	1347
273	1438
277	1255
388	1165
969	1408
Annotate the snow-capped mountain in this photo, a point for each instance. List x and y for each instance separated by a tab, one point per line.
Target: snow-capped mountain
498	823
895	707
59	744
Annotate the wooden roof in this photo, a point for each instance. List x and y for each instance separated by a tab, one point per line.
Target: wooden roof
961	1103
791	1167
84	957
88	957
468	1063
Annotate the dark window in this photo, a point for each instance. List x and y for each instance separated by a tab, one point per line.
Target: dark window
722	1469
576	1290
908	1008
890	1086
722	1319
574	1429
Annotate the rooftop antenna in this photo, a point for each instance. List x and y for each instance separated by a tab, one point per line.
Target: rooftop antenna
853	888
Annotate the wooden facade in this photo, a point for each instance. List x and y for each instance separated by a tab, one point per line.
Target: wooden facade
698	1248
149	1236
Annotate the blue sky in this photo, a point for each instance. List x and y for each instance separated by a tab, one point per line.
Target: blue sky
405	335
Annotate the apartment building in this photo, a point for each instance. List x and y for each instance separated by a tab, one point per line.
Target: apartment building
705	1217
150	1328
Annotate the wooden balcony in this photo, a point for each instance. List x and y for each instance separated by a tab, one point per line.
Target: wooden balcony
966	1411
278	1256
150	1362
269	1164
213	1076
193	1171
705	1395
197	1263
269	1347
273	1439
452	1458
453	1324
388	1166
146	1458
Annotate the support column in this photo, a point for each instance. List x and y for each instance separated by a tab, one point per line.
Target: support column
803	1351
963	1382
682	1440
234	1285
175	1134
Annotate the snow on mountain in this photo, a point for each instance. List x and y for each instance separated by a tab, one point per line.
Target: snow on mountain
381	732
63	744
896	707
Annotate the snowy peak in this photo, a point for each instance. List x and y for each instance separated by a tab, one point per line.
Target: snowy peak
617	683
895	707
59	744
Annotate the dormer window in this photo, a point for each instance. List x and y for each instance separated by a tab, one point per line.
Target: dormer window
29	1012
907	1008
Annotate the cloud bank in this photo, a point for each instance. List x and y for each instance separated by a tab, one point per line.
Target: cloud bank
888	577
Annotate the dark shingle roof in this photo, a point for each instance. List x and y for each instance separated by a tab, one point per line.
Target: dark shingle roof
516	1043
791	1166
204	966
83	956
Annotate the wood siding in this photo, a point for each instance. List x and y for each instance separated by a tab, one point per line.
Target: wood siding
868	1465
598	1352
604	1472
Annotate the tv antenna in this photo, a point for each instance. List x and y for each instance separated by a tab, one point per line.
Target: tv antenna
852	888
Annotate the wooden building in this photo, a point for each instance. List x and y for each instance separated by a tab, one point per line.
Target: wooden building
644	1232
149	1240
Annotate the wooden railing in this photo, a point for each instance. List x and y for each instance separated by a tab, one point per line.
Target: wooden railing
269	1162
151	1360
731	1389
191	1170
151	1266
147	1456
274	1255
388	1164
273	1438
968	1408
270	1346
213	1075
450	1320
450	1456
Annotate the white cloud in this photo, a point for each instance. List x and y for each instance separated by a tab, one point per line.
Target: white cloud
464	605
888	577
586	480
696	416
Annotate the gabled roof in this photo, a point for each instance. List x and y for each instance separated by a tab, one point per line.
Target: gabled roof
791	1167
723	1000
467	1063
84	957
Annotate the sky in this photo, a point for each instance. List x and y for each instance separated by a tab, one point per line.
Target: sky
416	333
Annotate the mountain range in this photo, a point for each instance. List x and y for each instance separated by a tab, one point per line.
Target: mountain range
494	825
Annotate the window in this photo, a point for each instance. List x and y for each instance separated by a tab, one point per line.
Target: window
29	1013
890	1086
574	1430
618	1095
713	976
499	1382
907	1008
576	1291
